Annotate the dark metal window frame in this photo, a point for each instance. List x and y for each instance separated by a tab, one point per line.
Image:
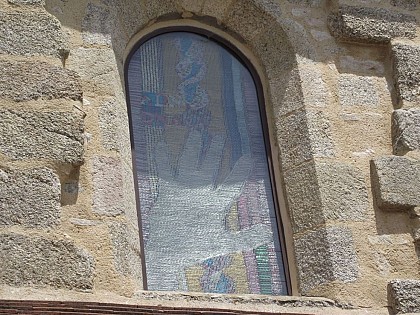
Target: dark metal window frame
263	115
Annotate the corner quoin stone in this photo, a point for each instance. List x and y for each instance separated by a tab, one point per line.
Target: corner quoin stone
56	136
28	261
39	205
370	25
404	296
28	80
406	130
334	257
396	182
406	72
30	33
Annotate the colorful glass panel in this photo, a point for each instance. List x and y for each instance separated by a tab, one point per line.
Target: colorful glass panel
206	202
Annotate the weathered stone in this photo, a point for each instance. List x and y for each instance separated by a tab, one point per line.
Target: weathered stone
324	256
370	25
216	8
293	137
108	197
351	64
156	9
96	25
30	33
299	38
109	124
343	191
34	80
126	250
404	296
303	197
56	136
406	130
29	261
131	17
319	134
396	182
406	4
308	3
30	198
406	67
356	90
29	2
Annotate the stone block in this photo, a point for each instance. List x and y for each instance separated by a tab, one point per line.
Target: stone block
343	191
293	137
27	2
404	296
108	197
320	134
354	90
110	123
406	130
30	33
406	72
353	65
216	8
325	255
370	25
308	3
96	25
30	198
303	197
37	80
56	136
126	250
396	182
34	261
156	9
405	4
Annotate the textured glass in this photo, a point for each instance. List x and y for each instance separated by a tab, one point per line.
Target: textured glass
208	217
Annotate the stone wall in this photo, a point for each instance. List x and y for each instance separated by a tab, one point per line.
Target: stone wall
341	85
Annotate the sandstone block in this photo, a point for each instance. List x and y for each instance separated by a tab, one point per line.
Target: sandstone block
109	123
96	25
30	198
34	261
370	25
320	134
404	296
325	255
30	33
108	197
126	250
354	90
406	130
37	80
406	72
56	136
343	191
405	4
396	182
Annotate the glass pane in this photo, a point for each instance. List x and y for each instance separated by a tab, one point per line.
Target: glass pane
208	217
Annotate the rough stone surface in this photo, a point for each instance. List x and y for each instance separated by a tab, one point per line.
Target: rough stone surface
354	90
108	198
406	67
405	4
325	255
315	90
30	198
370	25
293	137
96	25
396	182
320	134
343	191
30	33
404	296
29	2
308	3
109	123
35	80
126	250
33	261
406	130
56	136
303	197
353	65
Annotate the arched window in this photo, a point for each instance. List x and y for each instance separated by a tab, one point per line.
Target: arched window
208	209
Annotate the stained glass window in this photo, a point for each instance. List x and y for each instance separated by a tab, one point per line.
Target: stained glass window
205	196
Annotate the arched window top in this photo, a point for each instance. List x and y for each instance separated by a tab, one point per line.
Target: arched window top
205	196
